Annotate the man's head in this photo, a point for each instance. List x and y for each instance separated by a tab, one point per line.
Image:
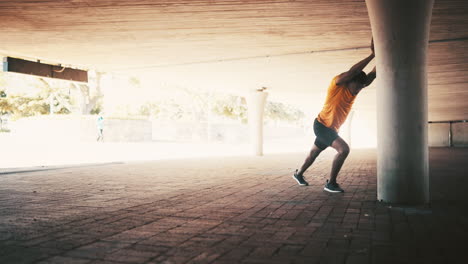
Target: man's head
359	81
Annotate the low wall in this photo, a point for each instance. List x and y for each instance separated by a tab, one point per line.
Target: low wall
81	128
223	132
64	128
84	128
460	134
125	130
439	134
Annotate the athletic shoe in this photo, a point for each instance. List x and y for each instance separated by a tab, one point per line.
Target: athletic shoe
333	187
300	179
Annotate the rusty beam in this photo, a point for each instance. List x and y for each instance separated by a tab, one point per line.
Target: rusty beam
44	70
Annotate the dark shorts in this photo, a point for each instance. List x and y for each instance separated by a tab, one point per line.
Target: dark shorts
325	135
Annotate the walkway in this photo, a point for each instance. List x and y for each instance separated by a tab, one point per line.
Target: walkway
228	210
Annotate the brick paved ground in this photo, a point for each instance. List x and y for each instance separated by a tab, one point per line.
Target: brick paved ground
230	210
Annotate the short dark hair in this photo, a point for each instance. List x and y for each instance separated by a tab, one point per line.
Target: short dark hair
361	77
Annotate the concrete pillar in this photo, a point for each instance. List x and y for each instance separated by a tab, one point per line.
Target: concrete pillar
256	105
401	33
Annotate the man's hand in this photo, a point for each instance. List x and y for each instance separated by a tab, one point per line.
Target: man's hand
357	68
371	76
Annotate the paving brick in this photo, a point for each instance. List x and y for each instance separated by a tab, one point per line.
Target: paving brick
358	259
313	249
234	210
61	260
26	255
333	258
237	254
130	256
97	250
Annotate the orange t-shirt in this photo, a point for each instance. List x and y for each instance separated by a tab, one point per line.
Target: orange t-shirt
337	106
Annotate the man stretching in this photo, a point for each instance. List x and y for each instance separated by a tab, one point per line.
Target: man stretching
340	98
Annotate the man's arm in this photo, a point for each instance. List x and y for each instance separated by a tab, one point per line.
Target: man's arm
371	76
357	68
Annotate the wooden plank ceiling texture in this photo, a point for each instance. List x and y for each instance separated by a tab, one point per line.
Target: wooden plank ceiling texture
279	43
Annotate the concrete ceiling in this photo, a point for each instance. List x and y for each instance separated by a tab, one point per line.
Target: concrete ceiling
292	47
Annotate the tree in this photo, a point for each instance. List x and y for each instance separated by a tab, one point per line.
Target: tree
5	108
48	97
277	111
23	106
90	99
232	107
58	101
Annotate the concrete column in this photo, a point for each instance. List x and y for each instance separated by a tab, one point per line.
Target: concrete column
256	105
401	34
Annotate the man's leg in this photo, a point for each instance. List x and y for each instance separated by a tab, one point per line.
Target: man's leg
343	150
100	135
314	152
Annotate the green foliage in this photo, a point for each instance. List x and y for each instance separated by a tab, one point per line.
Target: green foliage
23	106
97	109
167	109
232	107
180	104
235	107
196	106
20	105
5	106
281	112
134	82
150	109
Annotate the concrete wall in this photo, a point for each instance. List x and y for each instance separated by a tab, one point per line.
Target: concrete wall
123	130
81	128
439	134
460	134
224	132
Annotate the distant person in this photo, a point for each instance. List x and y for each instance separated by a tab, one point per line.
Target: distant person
340	97
100	128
